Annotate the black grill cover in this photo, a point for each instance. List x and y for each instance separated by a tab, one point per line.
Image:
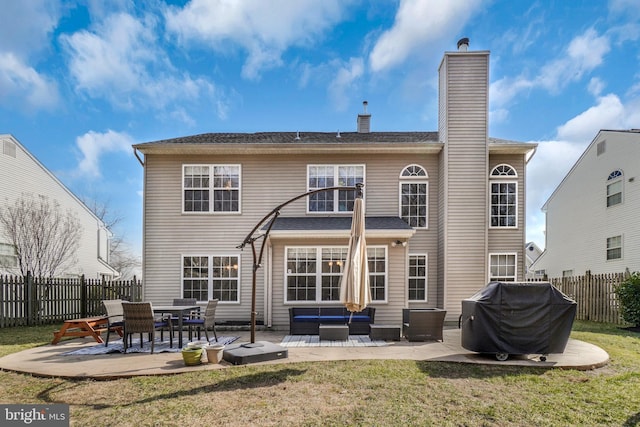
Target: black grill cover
517	318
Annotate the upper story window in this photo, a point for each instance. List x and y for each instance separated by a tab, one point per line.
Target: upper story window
414	195
614	248
614	188
504	196
323	176
211	188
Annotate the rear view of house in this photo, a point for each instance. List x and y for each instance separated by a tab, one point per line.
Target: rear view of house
445	210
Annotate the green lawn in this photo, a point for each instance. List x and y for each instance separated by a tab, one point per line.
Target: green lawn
367	393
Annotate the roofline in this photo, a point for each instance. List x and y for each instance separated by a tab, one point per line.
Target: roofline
369	234
52	176
288	148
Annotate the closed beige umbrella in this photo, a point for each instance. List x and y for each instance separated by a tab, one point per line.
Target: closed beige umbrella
355	290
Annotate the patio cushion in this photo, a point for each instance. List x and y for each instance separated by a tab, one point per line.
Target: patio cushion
306	318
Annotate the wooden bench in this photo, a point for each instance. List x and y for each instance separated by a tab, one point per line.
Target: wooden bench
84	327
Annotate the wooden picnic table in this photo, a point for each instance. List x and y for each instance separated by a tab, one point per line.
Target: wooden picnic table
84	327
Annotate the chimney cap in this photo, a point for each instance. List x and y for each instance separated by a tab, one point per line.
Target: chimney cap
463	44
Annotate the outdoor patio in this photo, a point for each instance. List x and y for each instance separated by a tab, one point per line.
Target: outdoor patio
51	360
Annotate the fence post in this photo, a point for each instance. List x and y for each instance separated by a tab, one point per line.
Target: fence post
30	298
83	297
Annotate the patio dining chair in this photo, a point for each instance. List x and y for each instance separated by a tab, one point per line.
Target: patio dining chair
139	318
206	321
115	317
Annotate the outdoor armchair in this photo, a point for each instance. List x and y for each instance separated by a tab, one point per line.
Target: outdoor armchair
138	318
115	317
423	324
206	320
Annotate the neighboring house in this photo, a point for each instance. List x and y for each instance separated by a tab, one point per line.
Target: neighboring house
445	210
592	217
22	174
531	253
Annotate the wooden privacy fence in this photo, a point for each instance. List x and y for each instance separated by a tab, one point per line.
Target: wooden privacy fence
28	300
594	294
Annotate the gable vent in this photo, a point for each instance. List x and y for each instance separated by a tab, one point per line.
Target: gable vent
601	147
9	148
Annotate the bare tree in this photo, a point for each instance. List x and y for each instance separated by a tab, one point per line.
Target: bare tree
121	257
45	238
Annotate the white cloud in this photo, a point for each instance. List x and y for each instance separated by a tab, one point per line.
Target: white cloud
585	53
23	87
341	87
419	23
596	86
27	26
264	29
547	168
608	113
120	61
93	145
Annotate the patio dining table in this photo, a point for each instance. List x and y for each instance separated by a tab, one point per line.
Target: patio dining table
176	311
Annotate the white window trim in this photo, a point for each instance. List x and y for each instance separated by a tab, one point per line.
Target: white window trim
211	167
210	275
611	181
515	270
502	180
606	253
318	299
414	180
336	177
426	277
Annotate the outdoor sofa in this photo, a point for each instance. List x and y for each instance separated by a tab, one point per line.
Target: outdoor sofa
307	320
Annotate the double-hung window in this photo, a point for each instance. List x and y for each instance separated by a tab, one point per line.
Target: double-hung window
502	267
414	194
323	176
8	256
614	248
206	277
417	277
504	197
614	188
314	273
211	188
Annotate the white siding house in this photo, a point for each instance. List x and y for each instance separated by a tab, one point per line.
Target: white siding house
592	218
22	174
445	210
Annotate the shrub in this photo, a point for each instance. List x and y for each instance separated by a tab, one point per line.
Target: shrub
628	293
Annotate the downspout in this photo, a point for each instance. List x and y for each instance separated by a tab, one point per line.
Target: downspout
135	153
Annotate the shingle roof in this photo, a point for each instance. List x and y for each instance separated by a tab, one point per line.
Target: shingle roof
300	138
337	223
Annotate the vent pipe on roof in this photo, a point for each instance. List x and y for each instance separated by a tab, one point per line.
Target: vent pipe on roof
463	45
364	120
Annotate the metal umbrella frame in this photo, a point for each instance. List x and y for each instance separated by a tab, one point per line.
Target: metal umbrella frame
255	235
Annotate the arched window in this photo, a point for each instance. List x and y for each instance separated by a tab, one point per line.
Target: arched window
614	188
504	196
414	196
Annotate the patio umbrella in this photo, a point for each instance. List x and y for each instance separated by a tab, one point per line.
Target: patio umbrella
355	291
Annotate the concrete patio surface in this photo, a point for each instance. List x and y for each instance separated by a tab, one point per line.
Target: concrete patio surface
49	361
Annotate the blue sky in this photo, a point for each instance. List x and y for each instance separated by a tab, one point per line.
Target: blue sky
80	82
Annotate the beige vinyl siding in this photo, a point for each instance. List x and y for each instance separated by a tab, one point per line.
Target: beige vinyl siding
465	171
267	181
510	240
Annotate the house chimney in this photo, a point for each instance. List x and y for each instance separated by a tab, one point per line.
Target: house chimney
463	45
364	120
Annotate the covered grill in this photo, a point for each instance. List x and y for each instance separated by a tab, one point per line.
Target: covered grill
517	318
